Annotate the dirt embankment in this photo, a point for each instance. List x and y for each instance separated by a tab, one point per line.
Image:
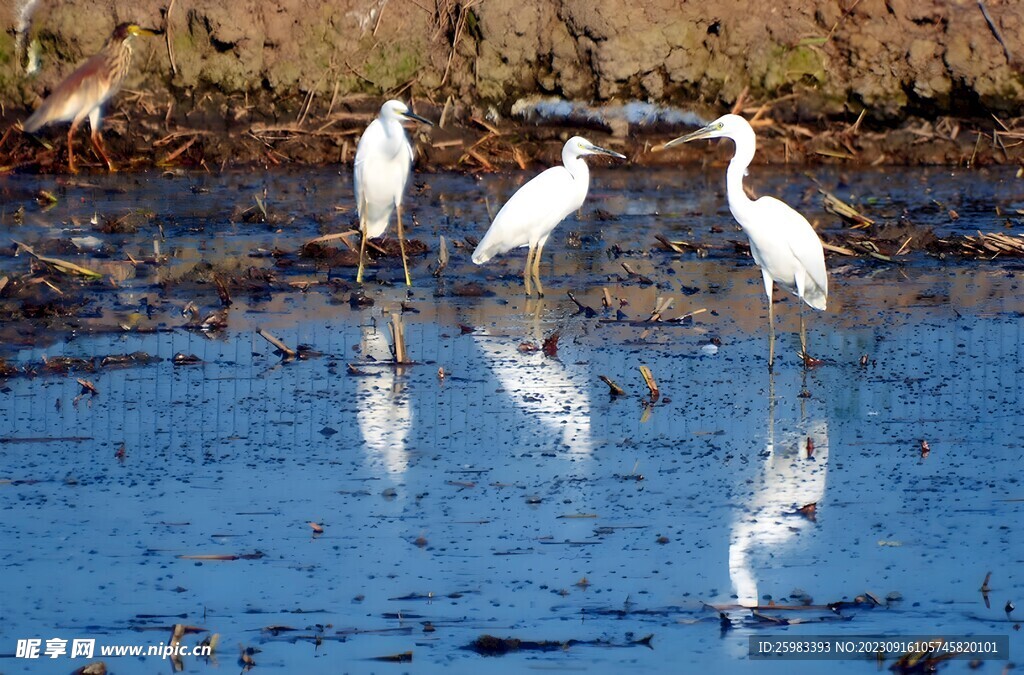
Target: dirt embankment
284	80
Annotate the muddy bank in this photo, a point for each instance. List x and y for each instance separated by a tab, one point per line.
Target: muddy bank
278	82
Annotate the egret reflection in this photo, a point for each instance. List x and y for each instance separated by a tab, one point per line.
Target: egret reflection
542	388
383	410
767	529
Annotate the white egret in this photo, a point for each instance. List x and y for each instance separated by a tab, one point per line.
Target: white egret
533	212
383	161
782	242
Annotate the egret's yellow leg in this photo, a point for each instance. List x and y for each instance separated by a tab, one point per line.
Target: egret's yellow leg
528	271
362	245
401	245
536	269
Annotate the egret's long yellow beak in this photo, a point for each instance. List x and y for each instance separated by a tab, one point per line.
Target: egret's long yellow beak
414	116
703	132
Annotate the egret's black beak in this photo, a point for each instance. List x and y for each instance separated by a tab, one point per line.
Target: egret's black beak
598	150
414	116
703	132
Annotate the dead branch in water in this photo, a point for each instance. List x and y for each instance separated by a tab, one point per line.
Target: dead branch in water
442	258
397	329
651	383
613	388
285	350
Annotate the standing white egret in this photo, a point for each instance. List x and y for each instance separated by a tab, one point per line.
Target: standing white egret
533	212
383	161
782	242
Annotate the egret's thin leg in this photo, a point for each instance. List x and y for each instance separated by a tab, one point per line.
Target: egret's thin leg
536	269
803	335
527	272
803	399
534	309
771	411
362	245
769	286
401	245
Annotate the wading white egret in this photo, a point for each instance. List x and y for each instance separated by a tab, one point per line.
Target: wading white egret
383	161
782	242
85	91
533	212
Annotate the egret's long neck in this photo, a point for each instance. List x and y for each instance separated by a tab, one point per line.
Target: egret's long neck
395	134
576	166
579	170
580	173
738	201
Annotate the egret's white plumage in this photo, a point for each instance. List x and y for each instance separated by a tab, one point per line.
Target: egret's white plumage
533	212
782	242
383	161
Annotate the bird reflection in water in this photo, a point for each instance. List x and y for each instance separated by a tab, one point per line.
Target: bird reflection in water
766	533
542	388
383	409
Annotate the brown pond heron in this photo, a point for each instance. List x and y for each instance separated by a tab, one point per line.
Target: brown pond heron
83	93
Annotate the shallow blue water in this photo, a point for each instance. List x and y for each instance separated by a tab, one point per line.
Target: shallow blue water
493	492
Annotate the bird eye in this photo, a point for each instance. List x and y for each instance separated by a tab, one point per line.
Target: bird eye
721	124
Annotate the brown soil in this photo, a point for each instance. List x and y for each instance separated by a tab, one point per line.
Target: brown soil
276	81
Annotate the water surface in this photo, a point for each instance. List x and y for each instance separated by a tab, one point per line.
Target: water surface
515	497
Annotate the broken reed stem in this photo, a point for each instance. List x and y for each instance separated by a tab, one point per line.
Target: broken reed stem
62	266
579	305
167	40
995	31
442	258
683	317
838	249
661	306
397	329
177	633
287	351
613	388
177	153
838	207
343	236
903	247
651	384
